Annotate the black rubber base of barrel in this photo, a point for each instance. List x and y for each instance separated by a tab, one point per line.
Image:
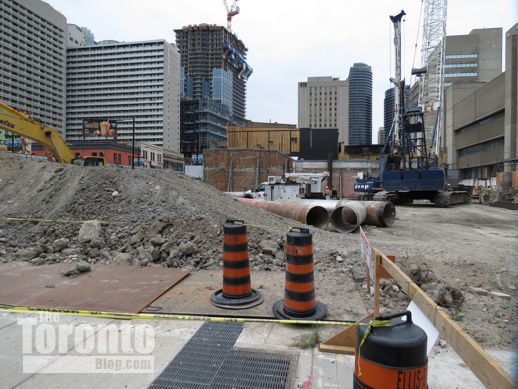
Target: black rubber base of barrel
279	312
221	301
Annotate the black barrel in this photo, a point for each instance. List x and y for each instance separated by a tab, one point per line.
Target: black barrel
391	357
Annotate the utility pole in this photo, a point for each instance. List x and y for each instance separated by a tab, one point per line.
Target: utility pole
133	146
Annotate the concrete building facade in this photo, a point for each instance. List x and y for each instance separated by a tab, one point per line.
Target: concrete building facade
469	58
360	104
156	157
122	81
475	57
213	80
480	121
76	36
33	38
323	102
511	100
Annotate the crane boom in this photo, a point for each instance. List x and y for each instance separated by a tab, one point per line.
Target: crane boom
231	12
21	124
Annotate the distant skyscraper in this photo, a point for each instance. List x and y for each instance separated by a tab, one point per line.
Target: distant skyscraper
389	107
89	36
381	135
360	104
213	80
33	38
323	103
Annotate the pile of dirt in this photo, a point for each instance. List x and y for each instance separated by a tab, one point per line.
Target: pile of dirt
144	218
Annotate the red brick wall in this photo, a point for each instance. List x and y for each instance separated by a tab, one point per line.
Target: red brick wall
109	154
244	166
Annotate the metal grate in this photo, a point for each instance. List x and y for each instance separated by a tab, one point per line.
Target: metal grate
198	362
250	369
209	361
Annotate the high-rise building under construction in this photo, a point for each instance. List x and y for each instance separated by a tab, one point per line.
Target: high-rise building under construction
213	78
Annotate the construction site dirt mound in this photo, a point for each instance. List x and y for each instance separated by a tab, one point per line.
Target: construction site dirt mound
464	257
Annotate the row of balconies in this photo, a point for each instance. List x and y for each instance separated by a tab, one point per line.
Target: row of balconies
45	100
47	57
35	83
111	71
54	34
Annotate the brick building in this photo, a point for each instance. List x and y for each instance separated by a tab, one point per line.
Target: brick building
240	170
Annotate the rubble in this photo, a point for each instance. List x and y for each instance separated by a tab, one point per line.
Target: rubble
90	230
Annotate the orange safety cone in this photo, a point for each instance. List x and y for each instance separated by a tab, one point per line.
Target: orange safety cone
299	288
237	292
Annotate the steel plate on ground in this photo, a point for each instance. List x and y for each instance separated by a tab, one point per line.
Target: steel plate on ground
111	288
192	296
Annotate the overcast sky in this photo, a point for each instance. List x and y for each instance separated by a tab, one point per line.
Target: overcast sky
289	40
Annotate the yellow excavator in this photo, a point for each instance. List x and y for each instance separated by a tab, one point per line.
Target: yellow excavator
24	125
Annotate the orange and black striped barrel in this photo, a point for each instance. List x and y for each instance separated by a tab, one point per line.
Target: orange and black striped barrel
236	265
299	287
237	292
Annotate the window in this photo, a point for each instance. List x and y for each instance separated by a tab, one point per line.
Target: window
452	75
461	65
459	56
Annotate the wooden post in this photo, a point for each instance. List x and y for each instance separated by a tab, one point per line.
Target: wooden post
376	308
487	370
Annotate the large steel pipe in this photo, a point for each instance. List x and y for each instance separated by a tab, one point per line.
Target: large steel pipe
312	215
341	220
329	205
348	216
380	213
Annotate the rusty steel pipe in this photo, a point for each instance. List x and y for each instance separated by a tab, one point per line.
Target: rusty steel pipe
348	216
312	215
341	220
345	216
380	213
329	205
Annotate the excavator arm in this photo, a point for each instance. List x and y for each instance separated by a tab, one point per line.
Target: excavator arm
13	121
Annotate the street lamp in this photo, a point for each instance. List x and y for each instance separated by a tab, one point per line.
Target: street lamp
133	146
132	140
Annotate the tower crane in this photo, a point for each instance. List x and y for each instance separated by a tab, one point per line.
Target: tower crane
231	12
431	87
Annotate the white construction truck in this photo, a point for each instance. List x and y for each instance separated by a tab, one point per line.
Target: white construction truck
291	186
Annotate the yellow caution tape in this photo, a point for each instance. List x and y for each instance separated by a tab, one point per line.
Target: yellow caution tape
28	219
159	316
31	219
